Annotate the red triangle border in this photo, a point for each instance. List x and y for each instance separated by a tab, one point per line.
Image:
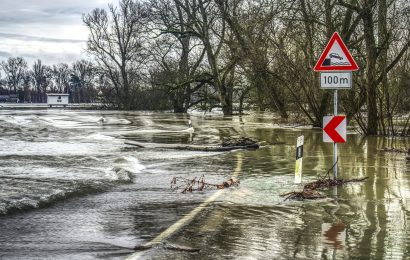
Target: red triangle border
336	38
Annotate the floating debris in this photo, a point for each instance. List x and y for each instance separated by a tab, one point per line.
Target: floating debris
305	194
310	189
242	141
189	147
181	248
327	183
199	184
166	246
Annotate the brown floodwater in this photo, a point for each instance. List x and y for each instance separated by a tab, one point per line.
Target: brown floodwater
72	189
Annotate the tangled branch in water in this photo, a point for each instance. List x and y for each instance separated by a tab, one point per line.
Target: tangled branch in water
310	189
305	194
242	141
199	184
327	183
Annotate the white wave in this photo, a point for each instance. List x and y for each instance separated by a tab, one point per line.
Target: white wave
98	136
112	121
130	163
190	130
25	203
3	208
125	168
120	174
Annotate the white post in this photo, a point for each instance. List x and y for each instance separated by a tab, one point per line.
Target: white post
299	157
335	144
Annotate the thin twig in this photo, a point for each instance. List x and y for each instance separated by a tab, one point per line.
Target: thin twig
199	184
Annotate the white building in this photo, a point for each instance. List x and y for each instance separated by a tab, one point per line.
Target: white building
56	99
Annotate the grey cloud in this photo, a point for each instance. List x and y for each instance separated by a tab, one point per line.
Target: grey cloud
47	11
39	16
27	27
46	58
36	38
5	54
64	11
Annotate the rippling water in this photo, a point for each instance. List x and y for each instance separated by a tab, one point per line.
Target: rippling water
70	188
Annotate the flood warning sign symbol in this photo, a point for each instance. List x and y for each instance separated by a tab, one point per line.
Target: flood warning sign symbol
336	56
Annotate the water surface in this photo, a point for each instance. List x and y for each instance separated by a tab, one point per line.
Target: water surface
70	188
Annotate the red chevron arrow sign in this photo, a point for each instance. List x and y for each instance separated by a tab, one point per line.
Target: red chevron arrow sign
334	129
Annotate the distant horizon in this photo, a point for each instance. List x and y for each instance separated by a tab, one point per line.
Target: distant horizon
52	31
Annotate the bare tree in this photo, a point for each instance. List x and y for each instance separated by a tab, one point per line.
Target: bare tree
115	41
178	54
41	77
201	22
251	24
212	32
27	87
14	69
376	47
61	74
81	81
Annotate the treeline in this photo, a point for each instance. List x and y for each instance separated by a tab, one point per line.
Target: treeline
256	54
83	80
30	85
247	54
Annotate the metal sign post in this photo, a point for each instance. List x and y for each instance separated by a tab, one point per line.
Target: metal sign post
336	65
335	143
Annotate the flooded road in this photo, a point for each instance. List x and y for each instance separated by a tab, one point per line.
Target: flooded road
70	188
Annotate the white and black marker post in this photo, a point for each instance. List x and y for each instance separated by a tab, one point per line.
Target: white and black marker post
299	157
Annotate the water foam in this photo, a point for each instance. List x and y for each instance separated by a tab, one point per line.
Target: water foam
125	168
43	192
98	136
68	190
129	163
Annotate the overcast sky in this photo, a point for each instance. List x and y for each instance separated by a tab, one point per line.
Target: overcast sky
51	30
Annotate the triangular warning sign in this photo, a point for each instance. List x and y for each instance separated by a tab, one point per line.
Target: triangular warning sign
336	56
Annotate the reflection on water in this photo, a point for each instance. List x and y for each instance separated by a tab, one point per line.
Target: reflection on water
365	220
131	203
334	235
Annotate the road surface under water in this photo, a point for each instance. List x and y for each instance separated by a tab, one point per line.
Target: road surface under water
70	188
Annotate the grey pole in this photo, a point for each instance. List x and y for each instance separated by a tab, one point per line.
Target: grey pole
335	144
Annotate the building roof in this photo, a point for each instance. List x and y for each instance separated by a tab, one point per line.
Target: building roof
57	94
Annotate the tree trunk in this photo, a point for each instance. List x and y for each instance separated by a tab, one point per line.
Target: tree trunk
182	99
178	102
371	59
383	44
